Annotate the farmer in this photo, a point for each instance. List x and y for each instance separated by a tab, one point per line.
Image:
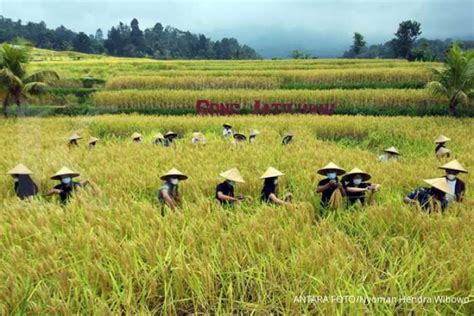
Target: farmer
456	185
391	153
355	185
137	138
24	186
227	132
159	139
168	193
92	142
288	138
330	185
270	185
239	138
432	198
440	142
169	138
198	138
73	140
225	190
443	153
253	135
67	186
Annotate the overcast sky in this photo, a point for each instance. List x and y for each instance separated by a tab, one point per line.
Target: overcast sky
272	27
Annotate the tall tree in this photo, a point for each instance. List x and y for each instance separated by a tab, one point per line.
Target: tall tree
82	43
137	39
359	44
406	35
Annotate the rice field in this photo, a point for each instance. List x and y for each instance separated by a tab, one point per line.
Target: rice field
111	251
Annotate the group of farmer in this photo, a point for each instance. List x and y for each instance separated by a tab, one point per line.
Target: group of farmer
353	186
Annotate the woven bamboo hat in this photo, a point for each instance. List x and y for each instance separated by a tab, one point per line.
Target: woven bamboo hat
254	132
74	137
170	134
232	175
392	150
20	169
227	125
159	136
64	172
443	151
272	173
442	139
331	167
356	171
239	136
136	135
453	165
440	184
175	173
93	140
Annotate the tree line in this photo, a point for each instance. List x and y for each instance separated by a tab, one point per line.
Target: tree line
404	45
127	41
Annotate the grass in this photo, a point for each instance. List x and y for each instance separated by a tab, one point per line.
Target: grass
111	251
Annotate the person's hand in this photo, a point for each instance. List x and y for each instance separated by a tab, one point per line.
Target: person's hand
57	191
333	183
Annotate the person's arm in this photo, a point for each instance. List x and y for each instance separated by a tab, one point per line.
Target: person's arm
53	191
276	200
355	190
168	200
411	198
326	186
222	196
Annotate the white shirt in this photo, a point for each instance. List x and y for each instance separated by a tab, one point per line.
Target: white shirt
452	186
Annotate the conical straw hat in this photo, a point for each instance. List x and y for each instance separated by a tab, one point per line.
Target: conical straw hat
239	136
198	135
453	165
159	136
272	173
74	137
440	184
227	125
356	171
20	169
331	167
64	172
442	151
93	140
136	135
174	173
254	132
170	134
232	175
442	139
392	150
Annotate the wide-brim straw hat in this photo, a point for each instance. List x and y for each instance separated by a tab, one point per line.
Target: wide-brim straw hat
442	151
440	184
392	150
442	139
175	173
239	136
227	125
159	136
74	137
64	172
170	134
453	165
331	167
272	173
357	172
232	175
93	140
136	135
254	132
20	169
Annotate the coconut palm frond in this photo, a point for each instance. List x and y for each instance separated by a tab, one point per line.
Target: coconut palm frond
9	80
41	76
15	58
462	98
34	88
437	87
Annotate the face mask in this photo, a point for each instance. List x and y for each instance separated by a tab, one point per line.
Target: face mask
331	175
66	180
357	181
174	181
16	179
252	139
232	183
275	182
451	177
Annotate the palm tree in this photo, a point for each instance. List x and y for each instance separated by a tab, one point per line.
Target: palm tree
456	80
15	82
